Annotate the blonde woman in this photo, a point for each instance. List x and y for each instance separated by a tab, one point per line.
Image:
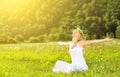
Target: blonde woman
76	50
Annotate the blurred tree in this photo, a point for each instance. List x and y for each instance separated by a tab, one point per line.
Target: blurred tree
53	20
118	32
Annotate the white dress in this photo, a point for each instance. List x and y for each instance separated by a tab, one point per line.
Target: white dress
78	61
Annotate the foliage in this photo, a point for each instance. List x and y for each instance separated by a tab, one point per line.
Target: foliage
56	19
118	32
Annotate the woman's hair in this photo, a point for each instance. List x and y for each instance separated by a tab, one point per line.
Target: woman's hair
81	32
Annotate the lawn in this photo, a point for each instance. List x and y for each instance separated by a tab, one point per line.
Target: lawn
38	59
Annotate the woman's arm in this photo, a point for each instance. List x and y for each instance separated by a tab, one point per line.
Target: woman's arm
67	44
87	42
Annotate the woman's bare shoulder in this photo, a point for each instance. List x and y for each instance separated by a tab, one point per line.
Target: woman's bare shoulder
81	43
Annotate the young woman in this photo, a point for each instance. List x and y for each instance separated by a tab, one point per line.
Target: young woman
76	50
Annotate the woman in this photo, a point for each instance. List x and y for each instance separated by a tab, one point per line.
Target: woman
76	50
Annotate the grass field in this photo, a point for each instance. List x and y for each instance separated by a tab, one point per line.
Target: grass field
38	59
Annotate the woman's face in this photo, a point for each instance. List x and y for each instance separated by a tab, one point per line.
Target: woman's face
76	35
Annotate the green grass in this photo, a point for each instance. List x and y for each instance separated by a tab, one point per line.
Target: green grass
37	60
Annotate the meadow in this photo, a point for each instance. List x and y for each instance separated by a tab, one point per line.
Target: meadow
38	59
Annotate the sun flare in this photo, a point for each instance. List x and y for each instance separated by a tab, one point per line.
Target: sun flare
9	7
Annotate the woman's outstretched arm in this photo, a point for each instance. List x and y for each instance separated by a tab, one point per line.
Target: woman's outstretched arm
67	44
87	42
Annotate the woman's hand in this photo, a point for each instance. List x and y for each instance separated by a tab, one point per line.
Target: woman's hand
60	43
67	44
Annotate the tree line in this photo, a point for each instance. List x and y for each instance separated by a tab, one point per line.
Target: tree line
53	20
